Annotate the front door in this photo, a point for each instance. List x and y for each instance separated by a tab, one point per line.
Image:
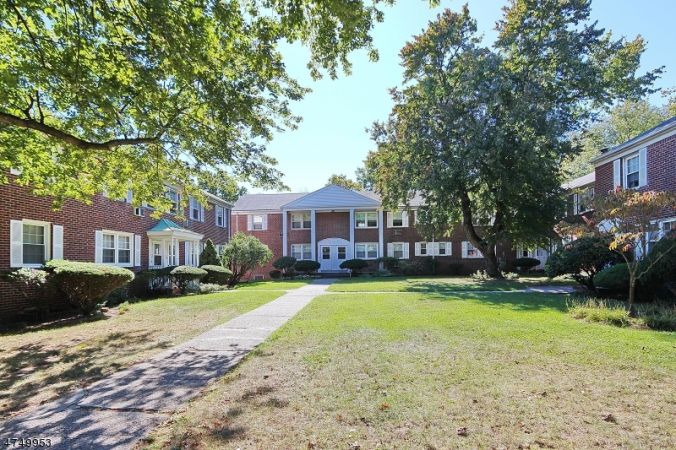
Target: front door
331	256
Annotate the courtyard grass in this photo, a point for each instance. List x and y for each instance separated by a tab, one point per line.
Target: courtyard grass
38	365
441	285
430	370
281	285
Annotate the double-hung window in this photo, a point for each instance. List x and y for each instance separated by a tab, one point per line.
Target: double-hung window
366	219
443	248
116	248
257	222
196	210
398	218
220	216
631	171
301	221
301	251
423	248
35	251
175	199
367	250
469	251
398	250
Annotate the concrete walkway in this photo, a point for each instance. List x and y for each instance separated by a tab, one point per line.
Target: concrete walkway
116	412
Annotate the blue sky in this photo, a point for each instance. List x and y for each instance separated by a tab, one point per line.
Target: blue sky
332	137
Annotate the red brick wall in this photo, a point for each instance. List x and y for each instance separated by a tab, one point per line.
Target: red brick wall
604	179
272	237
333	225
79	224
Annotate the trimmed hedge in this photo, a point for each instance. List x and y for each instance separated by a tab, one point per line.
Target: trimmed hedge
285	263
275	274
307	266
525	264
354	265
86	285
182	276
614	278
216	274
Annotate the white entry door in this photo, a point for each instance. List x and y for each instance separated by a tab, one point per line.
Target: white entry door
331	256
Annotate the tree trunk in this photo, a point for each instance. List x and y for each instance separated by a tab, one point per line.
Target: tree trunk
492	266
632	294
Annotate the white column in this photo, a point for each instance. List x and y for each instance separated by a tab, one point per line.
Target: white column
381	240
351	232
285	237
313	233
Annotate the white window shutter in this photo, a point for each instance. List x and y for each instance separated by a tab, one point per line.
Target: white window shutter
415	217
390	249
389	219
249	222
406	247
201	213
617	178
464	249
404	219
98	246
14	171
417	249
130	196
57	242
265	221
16	246
137	250
449	248
643	167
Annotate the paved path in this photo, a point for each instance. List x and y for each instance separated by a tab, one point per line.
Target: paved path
116	412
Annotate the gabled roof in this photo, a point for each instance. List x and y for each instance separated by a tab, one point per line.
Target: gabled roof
584	180
167	225
664	127
333	196
266	202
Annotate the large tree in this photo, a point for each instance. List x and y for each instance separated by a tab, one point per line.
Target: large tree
105	96
624	121
481	132
344	181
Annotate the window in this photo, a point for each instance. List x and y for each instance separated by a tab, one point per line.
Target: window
326	252
631	172
366	219
220	216
398	219
196	210
34	244
175	199
257	222
423	248
398	250
342	252
433	248
116	248
301	221
157	254
366	250
301	251
469	251
443	248
661	229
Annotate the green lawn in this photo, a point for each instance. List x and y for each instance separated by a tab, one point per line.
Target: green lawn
38	365
409	371
439	285
283	285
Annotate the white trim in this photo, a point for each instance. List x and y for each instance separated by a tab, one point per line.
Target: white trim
465	251
302	215
16	242
625	170
116	247
628	147
285	233
617	173
57	242
222	209
304	248
404	249
366	219
643	167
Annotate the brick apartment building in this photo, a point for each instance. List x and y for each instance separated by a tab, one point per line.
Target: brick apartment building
646	162
334	224
106	231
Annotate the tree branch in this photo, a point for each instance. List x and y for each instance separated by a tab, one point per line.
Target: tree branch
9	119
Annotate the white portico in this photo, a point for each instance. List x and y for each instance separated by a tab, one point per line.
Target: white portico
322	226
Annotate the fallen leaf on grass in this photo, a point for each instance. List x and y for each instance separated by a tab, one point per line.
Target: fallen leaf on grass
462	431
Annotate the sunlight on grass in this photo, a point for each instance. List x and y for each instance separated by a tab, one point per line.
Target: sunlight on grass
272	285
38	365
438	284
407	371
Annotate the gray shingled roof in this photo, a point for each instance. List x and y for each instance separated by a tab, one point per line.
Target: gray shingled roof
580	181
265	202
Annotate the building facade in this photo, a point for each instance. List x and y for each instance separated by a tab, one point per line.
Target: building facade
106	231
334	224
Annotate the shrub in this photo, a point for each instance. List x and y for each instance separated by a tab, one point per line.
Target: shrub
33	284
275	274
243	254
354	265
658	317
662	271
582	259
390	263
452	269
525	264
209	256
216	274
307	266
613	279
208	288
87	284
151	283
285	264
182	276
611	313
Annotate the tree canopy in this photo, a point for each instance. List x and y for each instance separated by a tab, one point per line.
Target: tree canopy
480	132
624	121
106	96
344	181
